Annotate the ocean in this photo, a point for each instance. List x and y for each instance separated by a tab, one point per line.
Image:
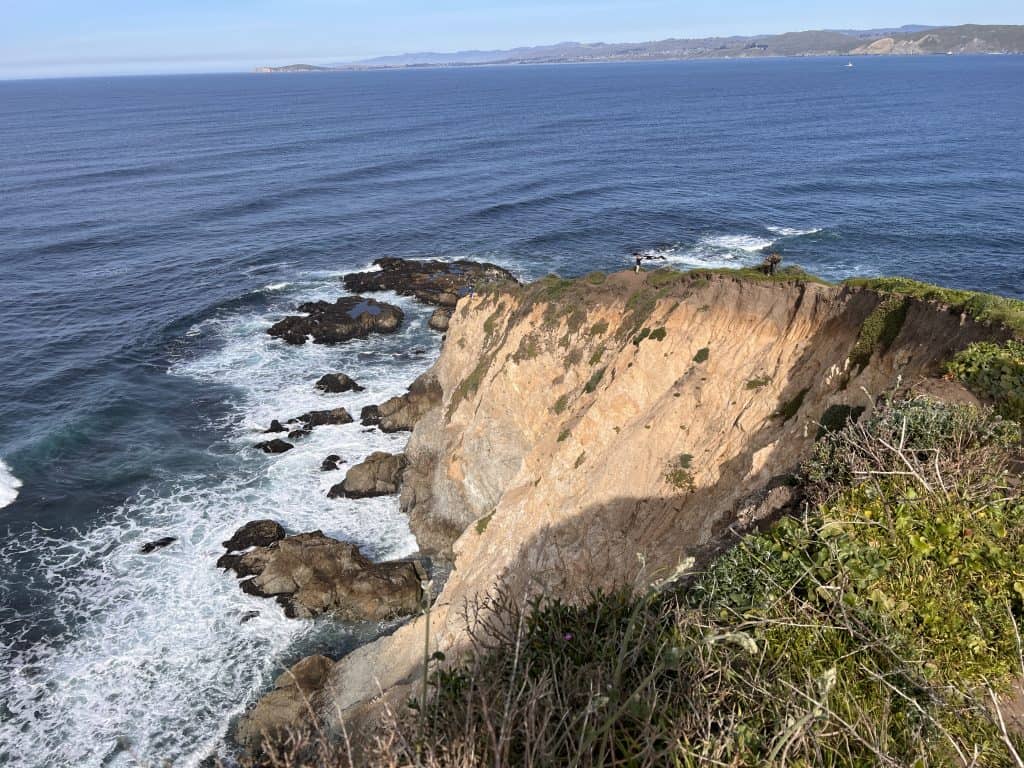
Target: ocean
152	228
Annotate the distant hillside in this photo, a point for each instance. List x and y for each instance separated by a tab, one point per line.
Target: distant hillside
907	40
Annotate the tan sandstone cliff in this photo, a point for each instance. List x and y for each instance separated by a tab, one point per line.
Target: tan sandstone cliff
608	431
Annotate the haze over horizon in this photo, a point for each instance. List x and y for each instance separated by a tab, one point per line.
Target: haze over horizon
60	38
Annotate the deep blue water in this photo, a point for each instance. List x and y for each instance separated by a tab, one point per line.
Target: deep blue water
152	228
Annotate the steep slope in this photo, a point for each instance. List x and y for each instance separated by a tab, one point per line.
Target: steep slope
615	430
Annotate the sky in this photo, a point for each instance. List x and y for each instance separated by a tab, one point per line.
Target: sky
55	38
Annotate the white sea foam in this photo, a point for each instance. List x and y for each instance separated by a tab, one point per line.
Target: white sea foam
791	232
275	287
153	661
9	486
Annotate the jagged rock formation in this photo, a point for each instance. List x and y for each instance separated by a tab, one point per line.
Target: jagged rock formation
400	414
257	533
347	318
336	383
311	574
378	475
607	431
432	282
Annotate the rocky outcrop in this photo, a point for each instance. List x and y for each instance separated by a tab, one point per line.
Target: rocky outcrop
434	282
302	425
400	414
380	474
275	446
332	463
336	383
153	546
440	319
347	318
369	416
311	574
285	710
257	533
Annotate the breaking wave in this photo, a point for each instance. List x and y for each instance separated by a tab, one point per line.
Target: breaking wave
9	485
148	658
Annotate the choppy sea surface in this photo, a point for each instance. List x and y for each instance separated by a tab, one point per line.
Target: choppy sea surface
151	229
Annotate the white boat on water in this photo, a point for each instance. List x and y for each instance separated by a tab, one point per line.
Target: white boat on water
849	65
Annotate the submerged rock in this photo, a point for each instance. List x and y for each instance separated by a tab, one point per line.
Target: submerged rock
152	546
303	425
256	533
332	463
349	317
380	474
311	574
336	383
285	710
275	446
431	281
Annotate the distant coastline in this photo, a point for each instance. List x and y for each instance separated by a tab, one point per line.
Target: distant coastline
911	40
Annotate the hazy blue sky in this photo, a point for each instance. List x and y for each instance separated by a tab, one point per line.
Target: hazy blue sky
58	37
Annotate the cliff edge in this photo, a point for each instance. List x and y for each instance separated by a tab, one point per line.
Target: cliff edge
618	430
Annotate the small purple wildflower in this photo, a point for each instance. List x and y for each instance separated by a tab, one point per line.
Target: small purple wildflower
567	637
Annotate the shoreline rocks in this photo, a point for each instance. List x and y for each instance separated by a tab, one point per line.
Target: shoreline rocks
440	319
311	574
440	283
332	463
256	533
380	474
336	383
277	445
400	414
349	317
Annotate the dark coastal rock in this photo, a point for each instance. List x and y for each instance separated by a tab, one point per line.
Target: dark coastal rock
332	463
400	414
347	318
285	711
153	546
256	533
336	383
274	446
440	319
301	432
248	616
323	418
369	415
433	282
380	474
276	426
311	574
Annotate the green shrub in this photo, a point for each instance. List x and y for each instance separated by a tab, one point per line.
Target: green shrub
600	328
596	278
983	307
641	336
658	334
529	348
702	355
564	435
836	417
579	460
995	372
879	330
791	407
666	276
561	404
595	379
483	522
678	474
758	382
598	353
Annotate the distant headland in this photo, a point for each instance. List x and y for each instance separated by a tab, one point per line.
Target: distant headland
910	40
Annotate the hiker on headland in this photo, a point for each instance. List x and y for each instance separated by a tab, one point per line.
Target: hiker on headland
639	258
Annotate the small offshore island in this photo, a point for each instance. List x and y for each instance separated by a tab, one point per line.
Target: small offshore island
680	517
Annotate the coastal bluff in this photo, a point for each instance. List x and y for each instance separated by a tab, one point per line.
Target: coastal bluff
622	430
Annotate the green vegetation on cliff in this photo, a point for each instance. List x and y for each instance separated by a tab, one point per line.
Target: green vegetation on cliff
874	630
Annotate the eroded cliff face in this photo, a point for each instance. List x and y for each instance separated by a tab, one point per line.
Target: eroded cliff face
611	431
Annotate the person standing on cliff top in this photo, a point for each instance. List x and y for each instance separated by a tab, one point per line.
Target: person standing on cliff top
639	258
